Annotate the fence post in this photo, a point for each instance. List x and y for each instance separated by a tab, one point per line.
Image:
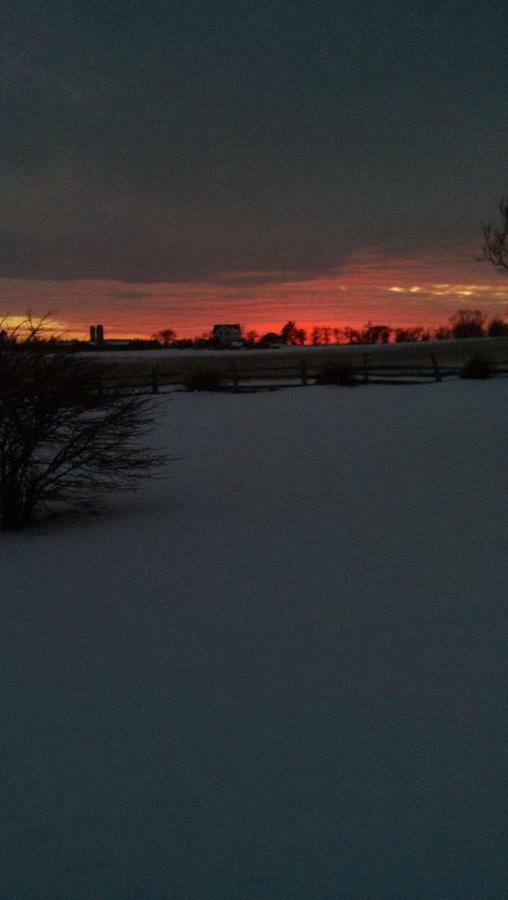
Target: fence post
99	384
365	369
234	376
303	369
435	366
155	379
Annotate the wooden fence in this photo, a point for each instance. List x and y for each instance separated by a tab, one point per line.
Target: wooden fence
300	373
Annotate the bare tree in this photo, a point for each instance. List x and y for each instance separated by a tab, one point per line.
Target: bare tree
411	334
468	323
375	334
165	337
498	328
443	333
322	334
28	330
64	437
495	240
351	335
293	335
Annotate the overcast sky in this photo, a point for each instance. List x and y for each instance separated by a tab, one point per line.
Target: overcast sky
186	143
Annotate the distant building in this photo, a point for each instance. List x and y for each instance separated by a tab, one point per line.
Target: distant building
227	335
97	339
97	335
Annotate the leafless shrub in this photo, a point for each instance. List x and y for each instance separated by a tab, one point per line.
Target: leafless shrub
477	367
64	439
341	375
203	380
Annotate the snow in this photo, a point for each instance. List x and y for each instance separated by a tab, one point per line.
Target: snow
447	350
452	352
276	674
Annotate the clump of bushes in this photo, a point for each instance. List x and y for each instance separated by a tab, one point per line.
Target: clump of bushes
63	441
203	380
477	367
339	375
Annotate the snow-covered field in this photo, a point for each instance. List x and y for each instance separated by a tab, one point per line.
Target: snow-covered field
412	354
278	674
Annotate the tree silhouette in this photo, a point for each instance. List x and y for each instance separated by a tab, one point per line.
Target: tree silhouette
165	337
375	334
65	438
495	240
292	335
411	335
498	328
468	323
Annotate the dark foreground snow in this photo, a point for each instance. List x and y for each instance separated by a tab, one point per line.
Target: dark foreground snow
281	673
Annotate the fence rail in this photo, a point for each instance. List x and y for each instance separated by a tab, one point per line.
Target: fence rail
240	379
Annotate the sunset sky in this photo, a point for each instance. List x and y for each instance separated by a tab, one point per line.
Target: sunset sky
181	163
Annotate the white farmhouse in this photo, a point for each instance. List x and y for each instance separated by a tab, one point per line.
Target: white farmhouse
227	335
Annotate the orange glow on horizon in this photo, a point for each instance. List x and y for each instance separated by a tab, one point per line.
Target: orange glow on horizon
424	289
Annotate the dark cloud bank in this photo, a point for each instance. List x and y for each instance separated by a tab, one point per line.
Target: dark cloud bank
175	141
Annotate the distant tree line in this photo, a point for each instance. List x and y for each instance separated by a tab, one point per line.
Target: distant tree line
466	323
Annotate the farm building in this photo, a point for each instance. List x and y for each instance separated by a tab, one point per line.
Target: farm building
227	335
